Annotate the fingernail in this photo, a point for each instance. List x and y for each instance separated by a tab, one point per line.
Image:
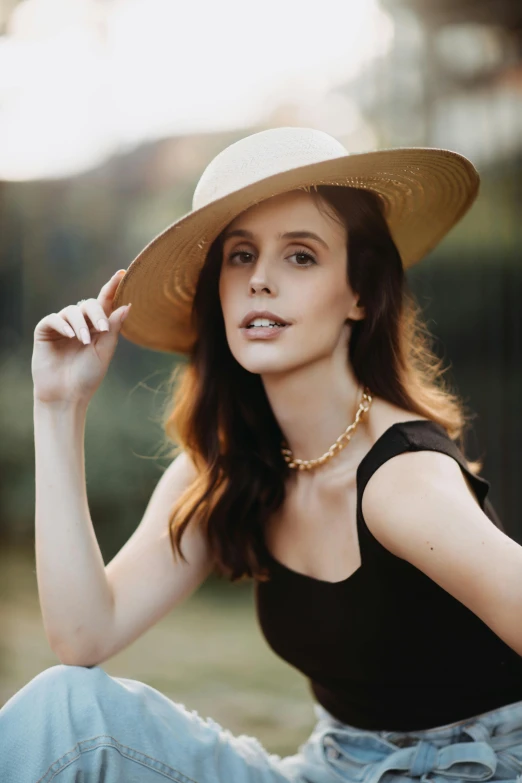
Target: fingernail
86	337
119	272
125	313
103	325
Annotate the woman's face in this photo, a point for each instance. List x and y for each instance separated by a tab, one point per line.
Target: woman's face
302	280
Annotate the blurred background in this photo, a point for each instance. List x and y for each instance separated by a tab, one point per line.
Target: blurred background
109	112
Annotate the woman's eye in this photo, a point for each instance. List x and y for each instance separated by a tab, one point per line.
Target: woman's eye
305	255
301	253
238	253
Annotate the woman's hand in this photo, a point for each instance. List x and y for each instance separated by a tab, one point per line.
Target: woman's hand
65	369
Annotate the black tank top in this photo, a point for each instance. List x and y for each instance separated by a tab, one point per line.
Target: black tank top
387	648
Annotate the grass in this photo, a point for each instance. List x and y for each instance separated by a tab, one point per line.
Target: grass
209	654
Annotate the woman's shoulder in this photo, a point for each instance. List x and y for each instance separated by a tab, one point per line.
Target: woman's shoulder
383	415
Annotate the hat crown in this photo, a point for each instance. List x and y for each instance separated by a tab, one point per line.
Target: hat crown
262	155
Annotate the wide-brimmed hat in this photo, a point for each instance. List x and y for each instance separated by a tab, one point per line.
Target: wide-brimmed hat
425	192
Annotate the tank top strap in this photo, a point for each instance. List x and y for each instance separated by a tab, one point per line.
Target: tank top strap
418	435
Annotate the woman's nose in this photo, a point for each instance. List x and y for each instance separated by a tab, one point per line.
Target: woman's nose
261	276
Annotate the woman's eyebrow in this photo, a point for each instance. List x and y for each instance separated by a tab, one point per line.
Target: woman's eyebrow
241	232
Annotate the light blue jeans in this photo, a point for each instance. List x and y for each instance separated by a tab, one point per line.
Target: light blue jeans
74	724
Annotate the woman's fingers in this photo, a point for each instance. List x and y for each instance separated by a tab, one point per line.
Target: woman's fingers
58	324
106	295
96	314
97	311
77	316
73	314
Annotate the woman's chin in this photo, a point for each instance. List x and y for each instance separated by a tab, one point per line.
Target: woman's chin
264	365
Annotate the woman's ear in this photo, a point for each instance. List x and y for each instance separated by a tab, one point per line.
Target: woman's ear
356	312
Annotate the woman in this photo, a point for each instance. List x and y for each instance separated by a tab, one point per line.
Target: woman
285	287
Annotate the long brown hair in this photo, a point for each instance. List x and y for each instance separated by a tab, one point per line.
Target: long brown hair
220	415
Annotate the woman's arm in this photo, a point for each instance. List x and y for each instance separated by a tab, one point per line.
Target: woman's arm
91	611
420	506
74	594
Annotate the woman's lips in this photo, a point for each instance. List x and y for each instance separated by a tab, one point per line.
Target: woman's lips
263	332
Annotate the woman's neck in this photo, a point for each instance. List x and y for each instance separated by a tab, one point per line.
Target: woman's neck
313	407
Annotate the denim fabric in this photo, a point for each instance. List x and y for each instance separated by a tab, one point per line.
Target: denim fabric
74	724
484	747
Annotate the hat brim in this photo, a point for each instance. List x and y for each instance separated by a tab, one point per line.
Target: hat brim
425	190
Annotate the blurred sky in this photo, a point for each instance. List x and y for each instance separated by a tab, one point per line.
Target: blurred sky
81	79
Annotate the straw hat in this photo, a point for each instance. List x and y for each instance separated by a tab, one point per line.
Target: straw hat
425	191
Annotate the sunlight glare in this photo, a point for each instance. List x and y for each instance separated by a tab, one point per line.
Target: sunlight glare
85	79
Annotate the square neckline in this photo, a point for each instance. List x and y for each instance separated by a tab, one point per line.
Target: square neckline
314	579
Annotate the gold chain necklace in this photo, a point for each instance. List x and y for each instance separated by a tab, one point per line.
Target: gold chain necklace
335	448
